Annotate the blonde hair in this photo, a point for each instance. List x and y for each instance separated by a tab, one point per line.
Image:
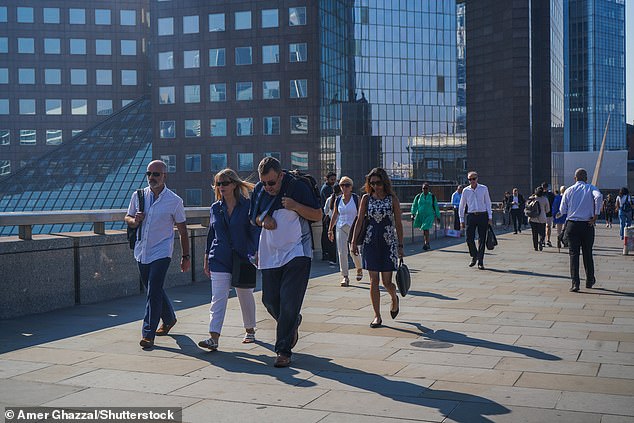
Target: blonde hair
242	187
346	180
562	189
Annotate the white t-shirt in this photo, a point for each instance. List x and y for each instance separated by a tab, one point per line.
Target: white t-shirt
347	212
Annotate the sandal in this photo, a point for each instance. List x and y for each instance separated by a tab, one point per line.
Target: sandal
345	281
376	323
210	344
249	338
359	274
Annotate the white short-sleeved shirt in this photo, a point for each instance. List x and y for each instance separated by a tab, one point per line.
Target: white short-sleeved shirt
157	229
347	212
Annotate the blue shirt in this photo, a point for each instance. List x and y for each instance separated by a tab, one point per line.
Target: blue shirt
581	202
227	233
455	199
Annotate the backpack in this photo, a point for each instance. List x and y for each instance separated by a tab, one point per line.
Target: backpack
626	206
308	180
532	208
355	197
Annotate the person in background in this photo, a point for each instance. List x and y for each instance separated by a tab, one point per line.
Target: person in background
624	207
424	212
328	248
475	213
517	207
549	214
538	223
559	219
455	203
329	209
507	203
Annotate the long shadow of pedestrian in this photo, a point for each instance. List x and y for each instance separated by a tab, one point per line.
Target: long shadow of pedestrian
528	273
414	293
608	292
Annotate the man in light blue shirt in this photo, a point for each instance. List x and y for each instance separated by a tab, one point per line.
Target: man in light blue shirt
455	202
582	203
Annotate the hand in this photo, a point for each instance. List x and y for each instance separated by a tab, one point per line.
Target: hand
462	225
592	221
331	236
185	264
413	216
355	250
491	222
269	223
138	218
400	252
206	268
289	204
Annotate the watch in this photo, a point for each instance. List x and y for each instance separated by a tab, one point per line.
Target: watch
186	256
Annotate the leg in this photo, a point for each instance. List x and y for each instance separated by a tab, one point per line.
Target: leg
375	294
574	246
342	249
153	276
548	224
220	287
483	225
471	227
456	219
426	236
587	242
293	284
247	307
325	222
386	278
623	222
542	233
534	232
271	282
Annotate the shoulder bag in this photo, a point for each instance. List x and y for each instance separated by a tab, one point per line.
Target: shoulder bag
134	234
362	229
491	239
403	278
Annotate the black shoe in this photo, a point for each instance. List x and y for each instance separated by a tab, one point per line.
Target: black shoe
515	232
590	284
549	243
481	266
376	323
541	246
395	312
425	247
473	262
574	288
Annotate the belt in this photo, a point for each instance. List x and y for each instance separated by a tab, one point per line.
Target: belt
477	213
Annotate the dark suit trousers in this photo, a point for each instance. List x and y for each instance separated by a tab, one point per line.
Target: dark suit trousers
516	217
580	237
481	223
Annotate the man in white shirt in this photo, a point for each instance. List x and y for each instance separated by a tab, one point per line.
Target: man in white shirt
479	215
582	203
153	250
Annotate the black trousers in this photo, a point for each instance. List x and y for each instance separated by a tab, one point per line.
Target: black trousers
456	219
580	237
481	223
516	217
328	248
539	233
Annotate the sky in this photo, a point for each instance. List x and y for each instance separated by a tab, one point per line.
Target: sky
629	61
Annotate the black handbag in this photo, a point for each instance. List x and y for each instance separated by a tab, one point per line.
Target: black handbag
491	240
403	278
133	234
243	273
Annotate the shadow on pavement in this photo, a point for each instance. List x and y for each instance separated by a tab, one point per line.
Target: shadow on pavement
607	292
413	293
528	273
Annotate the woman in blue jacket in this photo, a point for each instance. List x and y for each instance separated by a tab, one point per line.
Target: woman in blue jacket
230	234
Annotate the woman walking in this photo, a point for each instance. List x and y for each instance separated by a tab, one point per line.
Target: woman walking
608	210
231	237
538	222
345	210
559	220
425	212
624	207
383	240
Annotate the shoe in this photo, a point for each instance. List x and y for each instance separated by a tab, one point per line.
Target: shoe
296	335
590	284
425	247
210	344
541	246
146	343
515	232
249	338
359	274
282	361
549	243
481	266
536	249
165	329
376	323
395	312
473	262
345	282
574	288
332	263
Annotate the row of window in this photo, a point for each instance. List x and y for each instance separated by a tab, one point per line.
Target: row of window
29	136
76	46
298	88
55	106
76	16
297	52
244	126
27	76
269	18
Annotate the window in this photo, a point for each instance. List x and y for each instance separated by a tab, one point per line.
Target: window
244	56
166	60
53	76
4	75
299	160
79	106
192	162
53	136
191	93
170	161
27	106
216	57
296	16
77	16
166	26
193	197
104	76
104	107
103	17
297	52
4	45
271	125
244	91
190	25
52	46
78	77
127	17
26	76
25	14
192	128
217	92
50	15
299	88
191	59
128	77
5	137
299	124
75	132
270	90
216	22
126	102
77	46
245	162
4	106
271	54
5	166
128	47
218	161
25	45
270	18
243	20
244	126
273	154
218	128
53	106
28	136
166	95
103	47
167	129
3	16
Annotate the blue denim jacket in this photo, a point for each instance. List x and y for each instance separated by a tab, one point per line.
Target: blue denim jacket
227	233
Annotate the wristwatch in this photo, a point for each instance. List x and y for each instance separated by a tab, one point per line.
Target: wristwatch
186	256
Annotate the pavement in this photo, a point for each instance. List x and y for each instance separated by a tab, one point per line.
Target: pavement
505	344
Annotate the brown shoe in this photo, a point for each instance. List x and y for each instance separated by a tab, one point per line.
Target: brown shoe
146	343
282	361
165	329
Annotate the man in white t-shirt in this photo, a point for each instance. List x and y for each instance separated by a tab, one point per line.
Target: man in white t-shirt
283	206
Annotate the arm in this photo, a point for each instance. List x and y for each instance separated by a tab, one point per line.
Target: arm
211	235
487	203
414	206
184	238
363	208
461	207
134	216
598	202
398	221
435	207
333	222
306	212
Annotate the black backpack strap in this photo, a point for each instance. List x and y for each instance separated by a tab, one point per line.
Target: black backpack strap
141	198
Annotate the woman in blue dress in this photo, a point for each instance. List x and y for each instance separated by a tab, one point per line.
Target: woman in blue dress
559	219
383	241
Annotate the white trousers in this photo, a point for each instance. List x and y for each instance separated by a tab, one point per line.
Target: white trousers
343	249
220	287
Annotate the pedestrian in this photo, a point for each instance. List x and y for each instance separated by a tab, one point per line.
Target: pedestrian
559	219
517	207
624	207
609	207
329	209
455	203
346	207
283	205
153	250
477	202
550	196
424	212
383	240
582	203
231	237
507	203
328	248
539	221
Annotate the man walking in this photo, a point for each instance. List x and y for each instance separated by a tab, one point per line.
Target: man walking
476	199
327	246
582	203
455	203
549	213
517	209
153	250
282	205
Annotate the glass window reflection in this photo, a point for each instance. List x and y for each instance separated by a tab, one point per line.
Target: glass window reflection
270	90
271	54
218	128
192	128
216	57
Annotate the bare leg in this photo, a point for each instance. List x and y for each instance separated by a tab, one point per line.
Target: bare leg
386	277
375	294
426	236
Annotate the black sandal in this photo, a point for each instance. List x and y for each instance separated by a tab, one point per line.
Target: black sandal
376	323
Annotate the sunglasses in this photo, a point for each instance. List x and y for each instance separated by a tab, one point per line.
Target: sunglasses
155	174
223	183
473	179
269	183
345	185
376	183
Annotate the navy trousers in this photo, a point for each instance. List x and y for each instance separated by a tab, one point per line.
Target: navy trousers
157	306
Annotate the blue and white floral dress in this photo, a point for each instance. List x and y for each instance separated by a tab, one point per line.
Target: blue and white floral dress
380	247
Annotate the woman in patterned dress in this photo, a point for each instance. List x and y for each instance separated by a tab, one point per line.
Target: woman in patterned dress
383	242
